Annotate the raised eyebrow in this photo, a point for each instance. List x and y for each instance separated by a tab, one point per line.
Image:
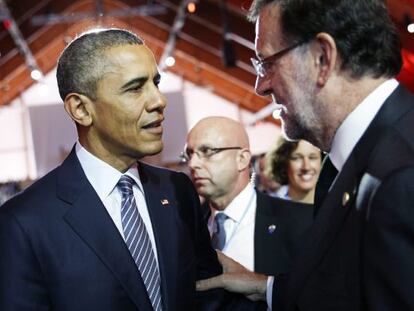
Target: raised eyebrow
140	80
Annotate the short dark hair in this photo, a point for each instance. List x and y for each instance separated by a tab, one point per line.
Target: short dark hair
82	64
279	160
367	40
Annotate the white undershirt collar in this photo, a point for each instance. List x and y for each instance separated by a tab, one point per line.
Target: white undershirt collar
102	176
356	123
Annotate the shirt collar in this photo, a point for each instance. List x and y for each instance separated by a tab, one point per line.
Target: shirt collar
102	176
356	123
237	208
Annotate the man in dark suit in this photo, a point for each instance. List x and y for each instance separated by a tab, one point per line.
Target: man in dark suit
330	67
101	231
258	231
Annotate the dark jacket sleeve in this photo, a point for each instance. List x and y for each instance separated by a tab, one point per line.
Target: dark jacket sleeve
388	244
207	261
21	284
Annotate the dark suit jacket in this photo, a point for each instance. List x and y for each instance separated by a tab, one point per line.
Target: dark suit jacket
359	253
60	249
273	251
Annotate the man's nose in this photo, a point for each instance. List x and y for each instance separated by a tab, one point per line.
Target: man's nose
159	102
194	160
262	86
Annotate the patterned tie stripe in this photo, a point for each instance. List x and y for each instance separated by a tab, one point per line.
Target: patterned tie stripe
138	242
218	240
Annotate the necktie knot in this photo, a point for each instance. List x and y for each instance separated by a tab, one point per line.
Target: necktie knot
125	184
220	219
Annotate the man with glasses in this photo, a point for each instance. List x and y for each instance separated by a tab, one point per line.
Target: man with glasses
258	231
329	65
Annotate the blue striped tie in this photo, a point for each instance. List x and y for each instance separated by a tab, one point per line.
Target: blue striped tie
138	242
218	240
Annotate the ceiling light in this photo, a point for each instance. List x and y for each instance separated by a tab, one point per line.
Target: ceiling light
191	7
410	28
170	61
276	114
36	74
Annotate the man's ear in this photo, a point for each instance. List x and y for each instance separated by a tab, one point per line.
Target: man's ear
244	157
326	57
79	108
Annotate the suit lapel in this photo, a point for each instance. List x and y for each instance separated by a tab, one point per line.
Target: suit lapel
270	248
334	209
327	223
161	205
88	218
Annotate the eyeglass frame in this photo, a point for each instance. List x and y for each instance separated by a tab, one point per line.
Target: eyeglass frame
203	155
258	64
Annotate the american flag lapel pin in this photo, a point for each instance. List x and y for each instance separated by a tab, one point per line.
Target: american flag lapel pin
165	202
271	229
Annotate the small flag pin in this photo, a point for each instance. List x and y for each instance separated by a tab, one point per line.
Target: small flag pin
271	229
164	202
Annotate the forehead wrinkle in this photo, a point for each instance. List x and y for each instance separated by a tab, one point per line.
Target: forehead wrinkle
123	56
117	63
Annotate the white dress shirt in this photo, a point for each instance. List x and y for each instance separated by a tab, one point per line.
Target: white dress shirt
356	123
348	135
239	227
104	179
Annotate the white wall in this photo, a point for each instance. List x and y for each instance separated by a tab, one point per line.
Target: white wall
16	160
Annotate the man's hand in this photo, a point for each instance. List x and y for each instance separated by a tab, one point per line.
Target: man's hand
237	279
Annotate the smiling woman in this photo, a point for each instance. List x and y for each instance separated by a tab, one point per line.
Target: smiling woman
296	165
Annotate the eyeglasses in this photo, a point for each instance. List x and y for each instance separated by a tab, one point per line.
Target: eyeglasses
203	153
260	65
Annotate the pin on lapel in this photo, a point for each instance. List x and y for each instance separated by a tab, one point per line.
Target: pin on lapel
271	229
345	198
165	202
